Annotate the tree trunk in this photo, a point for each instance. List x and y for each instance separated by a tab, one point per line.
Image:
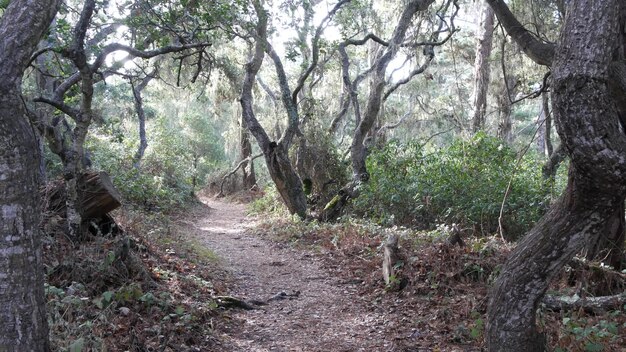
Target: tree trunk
484	44
609	248
536	260
141	117
547	125
551	166
276	154
587	122
249	176
505	128
358	151
286	179
540	142
22	301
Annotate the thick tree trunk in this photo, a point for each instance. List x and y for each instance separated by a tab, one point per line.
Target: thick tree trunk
587	122
23	324
482	70
286	179
536	260
609	248
249	176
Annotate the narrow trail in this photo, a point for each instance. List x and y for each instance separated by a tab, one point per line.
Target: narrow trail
326	316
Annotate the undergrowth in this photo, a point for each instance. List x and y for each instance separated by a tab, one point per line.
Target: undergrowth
464	183
443	306
144	290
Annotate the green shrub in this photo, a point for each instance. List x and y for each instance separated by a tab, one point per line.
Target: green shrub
463	183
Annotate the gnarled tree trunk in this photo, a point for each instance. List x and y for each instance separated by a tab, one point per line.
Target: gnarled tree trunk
358	150
245	149
588	123
23	324
276	154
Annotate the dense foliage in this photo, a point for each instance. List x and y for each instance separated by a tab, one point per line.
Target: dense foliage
462	183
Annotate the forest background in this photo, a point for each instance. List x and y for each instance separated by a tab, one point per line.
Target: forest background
420	115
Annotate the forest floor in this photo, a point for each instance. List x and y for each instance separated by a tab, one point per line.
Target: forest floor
307	308
321	289
167	283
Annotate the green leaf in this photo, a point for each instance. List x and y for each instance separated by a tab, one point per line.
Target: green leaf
108	296
77	346
594	347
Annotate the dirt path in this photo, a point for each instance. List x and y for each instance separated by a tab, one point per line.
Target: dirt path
326	316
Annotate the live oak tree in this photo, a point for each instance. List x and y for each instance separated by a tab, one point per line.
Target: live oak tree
588	82
381	85
276	153
22	302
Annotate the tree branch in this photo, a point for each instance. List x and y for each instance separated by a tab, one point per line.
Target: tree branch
315	49
538	51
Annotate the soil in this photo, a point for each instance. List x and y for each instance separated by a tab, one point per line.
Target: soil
319	312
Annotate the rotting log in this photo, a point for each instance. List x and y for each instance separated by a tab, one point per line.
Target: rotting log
98	196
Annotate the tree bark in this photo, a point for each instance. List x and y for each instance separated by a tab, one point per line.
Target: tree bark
587	122
482	70
141	117
609	248
245	148
22	302
547	125
276	154
551	166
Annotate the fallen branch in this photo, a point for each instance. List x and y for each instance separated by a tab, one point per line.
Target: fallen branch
234	302
589	304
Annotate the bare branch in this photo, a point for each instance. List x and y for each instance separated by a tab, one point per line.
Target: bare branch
132	52
250	158
315	49
410	76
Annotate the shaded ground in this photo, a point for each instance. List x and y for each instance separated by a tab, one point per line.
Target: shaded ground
327	315
340	303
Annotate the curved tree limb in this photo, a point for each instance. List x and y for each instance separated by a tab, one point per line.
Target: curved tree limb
538	51
243	162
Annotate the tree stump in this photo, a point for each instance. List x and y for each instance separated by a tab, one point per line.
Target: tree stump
392	263
98	196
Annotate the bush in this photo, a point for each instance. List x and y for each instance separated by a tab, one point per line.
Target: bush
463	183
159	185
